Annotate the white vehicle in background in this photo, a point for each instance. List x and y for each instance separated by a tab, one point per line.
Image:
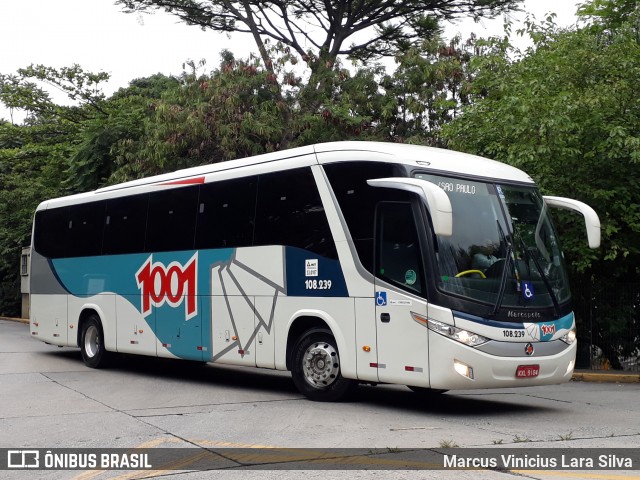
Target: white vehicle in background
342	262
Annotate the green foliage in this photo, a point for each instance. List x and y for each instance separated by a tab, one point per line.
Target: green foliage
32	165
242	109
24	91
233	112
567	114
337	104
566	111
427	89
103	138
604	14
319	32
34	156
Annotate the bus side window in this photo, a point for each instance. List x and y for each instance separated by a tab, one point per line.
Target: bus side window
85	229
171	222
51	232
358	200
125	222
226	211
290	212
398	258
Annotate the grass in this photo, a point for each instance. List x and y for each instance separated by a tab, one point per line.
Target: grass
448	444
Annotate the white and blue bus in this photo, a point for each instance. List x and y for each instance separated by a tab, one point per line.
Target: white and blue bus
342	262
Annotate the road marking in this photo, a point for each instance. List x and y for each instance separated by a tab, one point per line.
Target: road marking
150	444
401	429
169	467
164	469
213	443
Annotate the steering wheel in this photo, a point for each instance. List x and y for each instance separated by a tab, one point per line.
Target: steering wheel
471	272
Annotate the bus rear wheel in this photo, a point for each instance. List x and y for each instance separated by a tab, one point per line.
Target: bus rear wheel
92	346
316	368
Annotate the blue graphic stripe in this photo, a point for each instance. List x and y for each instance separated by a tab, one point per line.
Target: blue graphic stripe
88	276
117	274
565	322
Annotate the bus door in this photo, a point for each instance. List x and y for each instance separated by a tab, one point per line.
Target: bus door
402	339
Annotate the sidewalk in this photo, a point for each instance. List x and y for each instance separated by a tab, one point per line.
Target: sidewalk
10	319
610	376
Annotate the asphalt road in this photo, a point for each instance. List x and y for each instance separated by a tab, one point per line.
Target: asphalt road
49	399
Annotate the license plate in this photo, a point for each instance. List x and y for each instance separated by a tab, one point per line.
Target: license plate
527	371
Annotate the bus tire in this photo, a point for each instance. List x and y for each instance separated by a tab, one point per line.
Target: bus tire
316	368
92	346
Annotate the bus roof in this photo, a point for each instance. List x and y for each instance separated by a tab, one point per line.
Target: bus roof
426	158
434	160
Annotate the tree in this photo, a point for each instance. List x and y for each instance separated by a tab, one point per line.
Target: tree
566	111
229	113
387	25
237	110
605	14
568	114
60	149
428	89
33	160
119	125
319	32
51	123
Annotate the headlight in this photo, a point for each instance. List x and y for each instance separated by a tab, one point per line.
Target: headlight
569	337
457	334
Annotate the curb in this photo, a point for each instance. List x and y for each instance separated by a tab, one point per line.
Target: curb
606	377
12	319
586	376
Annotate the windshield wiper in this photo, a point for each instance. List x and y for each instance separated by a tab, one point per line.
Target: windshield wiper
503	278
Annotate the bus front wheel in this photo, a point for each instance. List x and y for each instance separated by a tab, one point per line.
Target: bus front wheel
92	347
316	368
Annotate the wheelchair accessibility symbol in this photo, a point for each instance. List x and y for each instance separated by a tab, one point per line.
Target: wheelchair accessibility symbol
527	290
381	299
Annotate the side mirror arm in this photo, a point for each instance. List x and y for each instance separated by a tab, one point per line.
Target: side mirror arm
591	219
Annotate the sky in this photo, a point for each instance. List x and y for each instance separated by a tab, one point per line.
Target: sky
96	35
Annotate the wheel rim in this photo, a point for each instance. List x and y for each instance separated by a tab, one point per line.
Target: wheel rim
92	341
321	364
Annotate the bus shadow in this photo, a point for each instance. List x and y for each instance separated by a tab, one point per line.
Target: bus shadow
206	374
393	397
480	403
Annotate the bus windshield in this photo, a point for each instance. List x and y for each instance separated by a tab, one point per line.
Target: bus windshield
504	250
